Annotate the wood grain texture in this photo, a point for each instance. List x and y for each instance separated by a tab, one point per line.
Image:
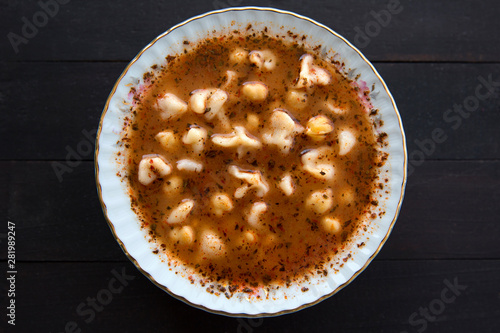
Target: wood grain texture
450	211
433	55
422	31
58	220
382	299
44	102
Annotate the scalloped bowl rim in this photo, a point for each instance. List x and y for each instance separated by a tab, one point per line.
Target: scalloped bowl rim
125	225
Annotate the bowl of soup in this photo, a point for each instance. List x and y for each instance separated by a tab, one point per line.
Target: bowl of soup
250	162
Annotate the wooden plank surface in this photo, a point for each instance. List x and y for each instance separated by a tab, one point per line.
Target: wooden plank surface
382	299
58	221
417	31
450	211
423	92
434	56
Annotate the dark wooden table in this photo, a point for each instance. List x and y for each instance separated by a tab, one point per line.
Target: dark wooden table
439	270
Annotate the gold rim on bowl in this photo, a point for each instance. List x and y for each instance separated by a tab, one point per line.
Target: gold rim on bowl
151	278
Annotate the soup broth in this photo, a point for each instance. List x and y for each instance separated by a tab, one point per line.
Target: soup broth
251	159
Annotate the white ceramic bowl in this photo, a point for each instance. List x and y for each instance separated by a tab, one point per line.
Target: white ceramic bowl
125	224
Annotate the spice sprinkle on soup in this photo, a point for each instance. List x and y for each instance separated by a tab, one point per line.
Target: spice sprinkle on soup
251	159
